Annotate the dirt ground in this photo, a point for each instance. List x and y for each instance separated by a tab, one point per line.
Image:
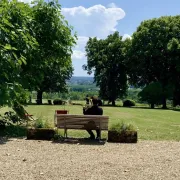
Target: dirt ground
22	159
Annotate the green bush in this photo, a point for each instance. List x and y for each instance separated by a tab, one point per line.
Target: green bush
10	118
58	137
122	127
41	123
128	103
57	102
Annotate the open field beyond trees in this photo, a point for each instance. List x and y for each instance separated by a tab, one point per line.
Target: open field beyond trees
151	124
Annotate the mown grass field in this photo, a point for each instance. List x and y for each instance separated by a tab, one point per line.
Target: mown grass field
151	124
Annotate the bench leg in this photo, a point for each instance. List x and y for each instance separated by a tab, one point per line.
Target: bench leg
65	133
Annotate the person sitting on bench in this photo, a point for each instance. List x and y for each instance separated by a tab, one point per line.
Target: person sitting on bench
94	110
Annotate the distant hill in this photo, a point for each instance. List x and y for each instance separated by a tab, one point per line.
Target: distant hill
81	80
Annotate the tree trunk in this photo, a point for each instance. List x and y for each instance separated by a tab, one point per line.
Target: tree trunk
164	103
113	103
152	105
176	98
39	97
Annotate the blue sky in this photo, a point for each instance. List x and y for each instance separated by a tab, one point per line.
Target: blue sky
102	17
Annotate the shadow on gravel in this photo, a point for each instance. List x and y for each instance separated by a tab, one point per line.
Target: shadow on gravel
80	141
9	132
4	140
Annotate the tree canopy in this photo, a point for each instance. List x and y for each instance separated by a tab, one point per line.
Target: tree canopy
52	61
16	43
153	54
35	48
106	58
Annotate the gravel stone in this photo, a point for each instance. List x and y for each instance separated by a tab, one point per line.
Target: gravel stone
22	159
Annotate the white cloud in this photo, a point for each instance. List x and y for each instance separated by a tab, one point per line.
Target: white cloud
78	54
97	20
126	36
26	1
79	50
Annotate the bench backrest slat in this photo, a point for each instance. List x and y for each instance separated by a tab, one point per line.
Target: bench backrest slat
81	121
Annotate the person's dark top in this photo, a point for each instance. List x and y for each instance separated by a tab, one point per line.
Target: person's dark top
94	110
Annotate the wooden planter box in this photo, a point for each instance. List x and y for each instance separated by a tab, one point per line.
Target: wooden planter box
40	133
123	137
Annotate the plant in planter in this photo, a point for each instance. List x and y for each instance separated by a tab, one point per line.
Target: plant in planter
123	133
41	131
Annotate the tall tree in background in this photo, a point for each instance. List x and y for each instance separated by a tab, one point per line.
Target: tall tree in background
150	58
51	64
106	58
174	50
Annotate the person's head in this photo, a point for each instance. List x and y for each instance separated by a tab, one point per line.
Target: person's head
95	101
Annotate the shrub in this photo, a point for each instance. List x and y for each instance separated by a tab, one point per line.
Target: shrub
49	102
122	127
128	103
10	118
57	102
58	137
41	123
122	133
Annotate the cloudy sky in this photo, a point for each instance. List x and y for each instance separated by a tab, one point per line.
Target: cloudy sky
100	18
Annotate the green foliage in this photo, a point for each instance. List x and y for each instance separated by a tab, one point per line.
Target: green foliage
122	127
106	58
57	102
20	111
42	123
10	118
154	93
153	54
128	103
83	88
16	45
35	49
51	63
132	93
14	131
12	92
58	137
39	123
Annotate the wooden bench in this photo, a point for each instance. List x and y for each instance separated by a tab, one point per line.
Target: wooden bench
81	122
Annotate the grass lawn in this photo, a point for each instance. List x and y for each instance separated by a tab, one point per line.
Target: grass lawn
152	124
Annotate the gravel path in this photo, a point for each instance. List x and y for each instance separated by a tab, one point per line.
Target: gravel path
22	159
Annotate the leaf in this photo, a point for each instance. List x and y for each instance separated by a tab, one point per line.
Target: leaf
7	22
7	47
23	59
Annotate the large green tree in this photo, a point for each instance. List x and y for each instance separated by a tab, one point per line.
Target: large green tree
16	43
150	58
51	64
174	51
106	58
